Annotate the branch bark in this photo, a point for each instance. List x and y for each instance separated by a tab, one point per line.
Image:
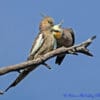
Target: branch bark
80	48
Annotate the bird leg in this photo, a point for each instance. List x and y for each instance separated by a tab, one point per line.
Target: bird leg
19	71
72	52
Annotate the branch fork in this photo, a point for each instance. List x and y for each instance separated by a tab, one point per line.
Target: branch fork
79	48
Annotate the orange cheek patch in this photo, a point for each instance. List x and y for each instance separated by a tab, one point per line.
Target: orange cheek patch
58	35
45	22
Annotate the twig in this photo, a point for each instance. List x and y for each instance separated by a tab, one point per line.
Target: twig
80	48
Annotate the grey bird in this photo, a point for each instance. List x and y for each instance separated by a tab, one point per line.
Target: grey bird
43	44
67	40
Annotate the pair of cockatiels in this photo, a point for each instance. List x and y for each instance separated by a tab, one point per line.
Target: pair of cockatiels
63	36
48	36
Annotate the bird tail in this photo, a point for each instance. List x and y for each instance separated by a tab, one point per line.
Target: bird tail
59	59
21	76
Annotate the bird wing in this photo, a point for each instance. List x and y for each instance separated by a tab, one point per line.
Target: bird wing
36	45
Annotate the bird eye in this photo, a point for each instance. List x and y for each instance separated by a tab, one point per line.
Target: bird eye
54	31
50	22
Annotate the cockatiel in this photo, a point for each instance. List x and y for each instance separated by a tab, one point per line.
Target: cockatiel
43	44
65	39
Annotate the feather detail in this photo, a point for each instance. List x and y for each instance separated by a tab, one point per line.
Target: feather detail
39	42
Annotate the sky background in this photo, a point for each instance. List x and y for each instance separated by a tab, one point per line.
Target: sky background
19	23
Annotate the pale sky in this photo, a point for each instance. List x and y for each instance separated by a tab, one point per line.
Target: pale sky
19	22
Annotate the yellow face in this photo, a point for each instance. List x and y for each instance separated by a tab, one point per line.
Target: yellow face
57	31
44	23
57	34
47	21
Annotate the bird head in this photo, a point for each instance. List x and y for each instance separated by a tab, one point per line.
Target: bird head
57	31
46	23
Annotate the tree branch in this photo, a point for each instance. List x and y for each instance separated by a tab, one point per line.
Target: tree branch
80	48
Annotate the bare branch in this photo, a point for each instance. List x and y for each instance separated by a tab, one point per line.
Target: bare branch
80	48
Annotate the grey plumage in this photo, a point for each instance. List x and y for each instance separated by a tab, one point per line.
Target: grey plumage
45	35
67	40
